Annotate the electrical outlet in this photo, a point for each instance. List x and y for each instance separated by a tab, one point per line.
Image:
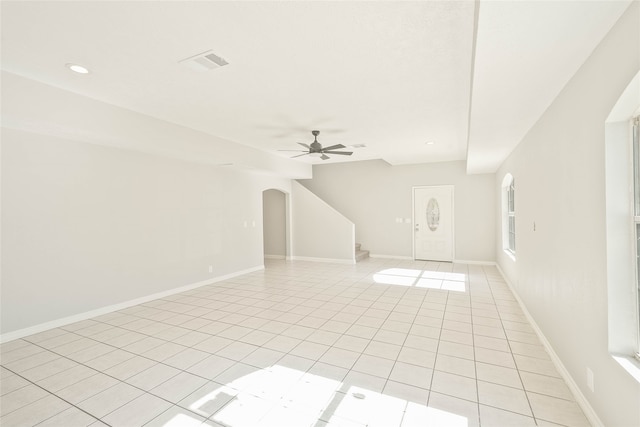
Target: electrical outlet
590	380
211	269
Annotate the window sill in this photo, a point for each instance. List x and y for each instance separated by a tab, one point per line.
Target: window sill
629	364
510	254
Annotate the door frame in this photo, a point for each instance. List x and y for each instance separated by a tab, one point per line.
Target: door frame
413	218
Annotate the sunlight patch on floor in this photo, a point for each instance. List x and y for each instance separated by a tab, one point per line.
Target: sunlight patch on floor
282	396
422	279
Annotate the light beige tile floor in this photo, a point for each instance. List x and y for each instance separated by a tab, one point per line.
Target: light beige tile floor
381	343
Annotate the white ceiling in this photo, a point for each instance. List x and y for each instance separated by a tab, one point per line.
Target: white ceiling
390	75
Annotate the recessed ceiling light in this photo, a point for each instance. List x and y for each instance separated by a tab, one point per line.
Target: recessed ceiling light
77	68
430	143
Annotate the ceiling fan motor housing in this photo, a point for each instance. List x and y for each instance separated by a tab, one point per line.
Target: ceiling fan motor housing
315	146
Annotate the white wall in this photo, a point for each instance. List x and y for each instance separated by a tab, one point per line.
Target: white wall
39	108
560	271
274	222
373	194
86	226
319	231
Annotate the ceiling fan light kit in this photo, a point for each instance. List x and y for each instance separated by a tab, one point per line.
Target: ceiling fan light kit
315	149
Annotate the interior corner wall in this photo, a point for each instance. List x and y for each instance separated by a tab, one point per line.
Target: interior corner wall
373	194
560	271
86	226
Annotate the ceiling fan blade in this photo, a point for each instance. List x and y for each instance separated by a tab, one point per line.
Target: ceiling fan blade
297	151
333	147
303	154
343	153
305	145
323	157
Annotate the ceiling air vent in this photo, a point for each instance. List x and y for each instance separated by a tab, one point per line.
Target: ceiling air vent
204	61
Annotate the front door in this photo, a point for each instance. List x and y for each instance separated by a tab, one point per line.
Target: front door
433	223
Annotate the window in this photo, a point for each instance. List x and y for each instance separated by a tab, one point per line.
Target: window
636	208
511	212
622	218
508	215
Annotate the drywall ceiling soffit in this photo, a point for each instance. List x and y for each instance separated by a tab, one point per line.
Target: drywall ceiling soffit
388	75
36	107
526	52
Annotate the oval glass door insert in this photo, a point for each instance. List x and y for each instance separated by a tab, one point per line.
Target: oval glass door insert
433	214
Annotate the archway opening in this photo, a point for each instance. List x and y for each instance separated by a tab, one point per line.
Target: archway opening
275	220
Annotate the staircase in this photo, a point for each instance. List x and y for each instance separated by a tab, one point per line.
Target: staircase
360	254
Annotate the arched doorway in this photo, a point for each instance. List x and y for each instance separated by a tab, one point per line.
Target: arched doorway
275	224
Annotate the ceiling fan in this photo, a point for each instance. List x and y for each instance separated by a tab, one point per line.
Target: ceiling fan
316	148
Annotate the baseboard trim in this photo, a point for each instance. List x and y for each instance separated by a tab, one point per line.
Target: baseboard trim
20	333
274	256
582	401
330	260
391	257
457	261
462	261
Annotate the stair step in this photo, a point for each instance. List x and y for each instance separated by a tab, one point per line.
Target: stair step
360	255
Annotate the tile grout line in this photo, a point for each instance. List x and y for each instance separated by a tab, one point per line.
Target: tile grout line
338	292
403	345
473	347
108	388
533	415
435	360
49	393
